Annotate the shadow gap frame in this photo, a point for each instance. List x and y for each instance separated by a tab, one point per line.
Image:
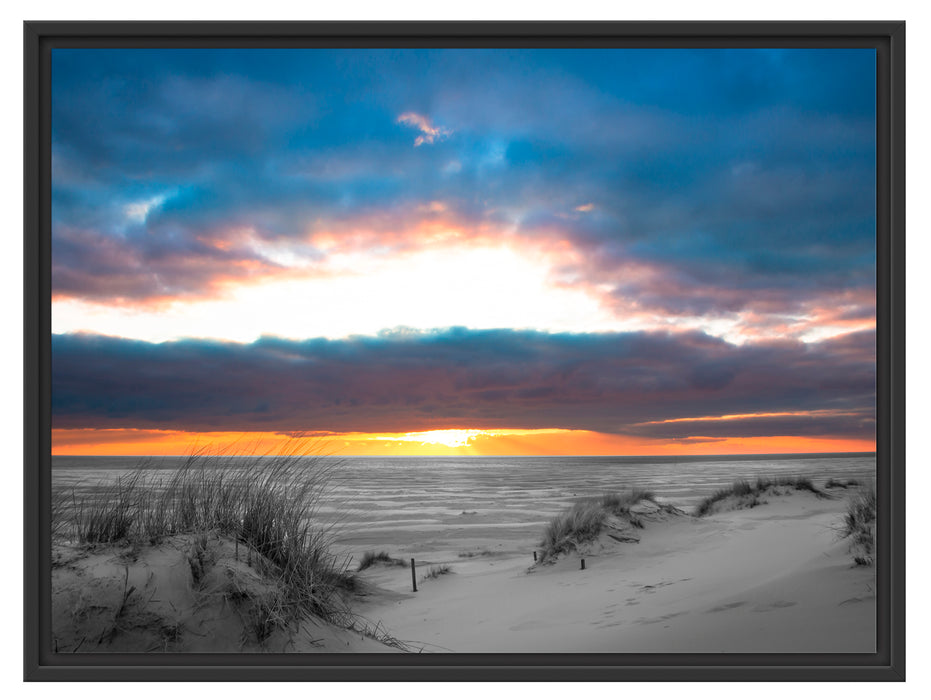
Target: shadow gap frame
887	664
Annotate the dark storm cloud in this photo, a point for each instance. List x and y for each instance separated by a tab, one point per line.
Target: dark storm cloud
410	381
744	176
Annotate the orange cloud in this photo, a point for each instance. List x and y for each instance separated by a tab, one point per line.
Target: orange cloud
743	416
429	133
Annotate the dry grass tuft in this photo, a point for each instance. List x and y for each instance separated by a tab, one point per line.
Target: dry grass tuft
437	571
583	520
269	504
840	483
372	558
860	525
746	495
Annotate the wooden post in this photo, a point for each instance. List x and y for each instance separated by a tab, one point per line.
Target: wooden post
583	565
413	575
534	555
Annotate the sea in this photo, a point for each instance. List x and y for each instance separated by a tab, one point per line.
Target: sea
447	507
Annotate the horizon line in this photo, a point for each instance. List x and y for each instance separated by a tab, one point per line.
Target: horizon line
491	456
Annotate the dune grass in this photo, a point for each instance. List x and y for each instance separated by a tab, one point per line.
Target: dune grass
860	525
371	558
840	483
584	520
267	504
747	494
478	553
437	571
620	503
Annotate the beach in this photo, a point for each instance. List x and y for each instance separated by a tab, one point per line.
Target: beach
774	574
776	578
532	348
437	507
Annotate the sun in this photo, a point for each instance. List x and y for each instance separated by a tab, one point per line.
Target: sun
449	438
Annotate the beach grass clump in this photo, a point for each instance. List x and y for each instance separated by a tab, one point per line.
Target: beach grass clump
707	504
267	504
620	503
860	525
437	571
744	494
584	520
840	483
371	558
108	516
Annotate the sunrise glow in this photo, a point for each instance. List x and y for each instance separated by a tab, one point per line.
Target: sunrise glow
472	443
363	293
446	252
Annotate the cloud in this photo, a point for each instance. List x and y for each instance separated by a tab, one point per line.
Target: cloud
87	264
734	188
428	133
411	381
138	211
625	286
856	424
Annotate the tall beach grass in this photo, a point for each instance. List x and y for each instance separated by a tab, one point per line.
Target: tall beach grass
268	504
584	520
860	524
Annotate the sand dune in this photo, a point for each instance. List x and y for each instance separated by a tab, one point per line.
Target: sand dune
776	577
160	598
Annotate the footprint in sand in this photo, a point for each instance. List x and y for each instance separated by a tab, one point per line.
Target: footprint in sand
775	606
728	606
654	620
608	624
857	600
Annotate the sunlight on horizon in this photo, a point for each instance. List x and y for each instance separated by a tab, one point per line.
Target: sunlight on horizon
453	442
449	438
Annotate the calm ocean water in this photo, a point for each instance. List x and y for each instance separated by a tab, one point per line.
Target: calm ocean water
443	506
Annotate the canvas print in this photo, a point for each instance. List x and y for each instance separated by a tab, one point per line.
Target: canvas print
463	350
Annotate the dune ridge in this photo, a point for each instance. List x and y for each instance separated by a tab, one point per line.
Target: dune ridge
771	567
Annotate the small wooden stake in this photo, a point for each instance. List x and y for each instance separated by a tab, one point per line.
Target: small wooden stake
413	575
583	565
534	555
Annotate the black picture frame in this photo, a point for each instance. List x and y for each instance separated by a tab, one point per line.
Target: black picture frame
887	664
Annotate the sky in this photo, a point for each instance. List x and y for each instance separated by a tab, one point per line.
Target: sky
463	251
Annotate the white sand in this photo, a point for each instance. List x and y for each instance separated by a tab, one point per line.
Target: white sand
145	599
775	578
